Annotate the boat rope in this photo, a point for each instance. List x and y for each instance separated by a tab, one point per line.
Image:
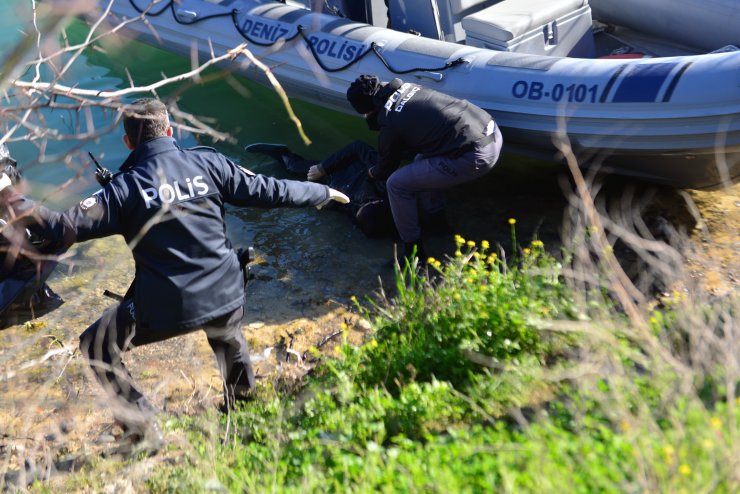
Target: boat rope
373	48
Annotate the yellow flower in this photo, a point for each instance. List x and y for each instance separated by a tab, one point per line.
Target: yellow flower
343	325
470	244
526	251
484	244
512	221
668	451
537	243
353	298
716	423
707	444
458	253
625	426
437	264
684	469
459	240
373	344
456	296
431	261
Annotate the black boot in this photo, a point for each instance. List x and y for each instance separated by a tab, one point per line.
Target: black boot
274	150
279	152
234	398
436	223
141	432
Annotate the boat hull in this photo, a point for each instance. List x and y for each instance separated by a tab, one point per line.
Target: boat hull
672	120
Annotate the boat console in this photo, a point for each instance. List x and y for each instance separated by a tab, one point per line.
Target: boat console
538	27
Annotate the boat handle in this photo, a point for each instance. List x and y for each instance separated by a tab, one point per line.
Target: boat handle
186	14
435	76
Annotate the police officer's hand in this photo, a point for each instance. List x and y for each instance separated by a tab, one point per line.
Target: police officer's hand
315	173
334	195
5	182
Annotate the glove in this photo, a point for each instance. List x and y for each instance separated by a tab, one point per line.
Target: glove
5	182
334	195
315	173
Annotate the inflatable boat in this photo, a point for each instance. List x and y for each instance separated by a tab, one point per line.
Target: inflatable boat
643	89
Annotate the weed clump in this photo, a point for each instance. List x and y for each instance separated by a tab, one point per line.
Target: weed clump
486	374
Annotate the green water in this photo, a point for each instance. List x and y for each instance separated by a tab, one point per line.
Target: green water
250	114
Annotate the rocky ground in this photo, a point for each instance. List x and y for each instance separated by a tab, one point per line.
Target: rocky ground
53	416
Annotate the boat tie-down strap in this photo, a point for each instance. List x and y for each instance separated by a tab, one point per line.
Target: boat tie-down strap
300	31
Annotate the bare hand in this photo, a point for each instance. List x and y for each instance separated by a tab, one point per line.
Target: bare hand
315	173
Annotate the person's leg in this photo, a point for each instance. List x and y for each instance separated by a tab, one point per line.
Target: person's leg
102	344
293	162
232	354
408	183
297	164
428	177
352	152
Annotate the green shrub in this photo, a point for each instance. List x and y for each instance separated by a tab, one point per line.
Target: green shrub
479	312
466	387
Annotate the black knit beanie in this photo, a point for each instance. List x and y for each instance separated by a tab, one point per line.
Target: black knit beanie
360	93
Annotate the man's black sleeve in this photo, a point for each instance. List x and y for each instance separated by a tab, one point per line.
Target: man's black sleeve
94	217
390	152
347	155
241	188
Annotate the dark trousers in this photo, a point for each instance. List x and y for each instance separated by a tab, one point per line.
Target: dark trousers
115	332
421	183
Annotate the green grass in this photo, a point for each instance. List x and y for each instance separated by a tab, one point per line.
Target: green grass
490	379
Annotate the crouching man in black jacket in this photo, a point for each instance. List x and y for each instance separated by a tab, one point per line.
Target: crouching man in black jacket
453	141
168	203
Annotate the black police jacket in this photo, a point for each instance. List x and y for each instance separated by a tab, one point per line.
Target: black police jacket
168	203
415	120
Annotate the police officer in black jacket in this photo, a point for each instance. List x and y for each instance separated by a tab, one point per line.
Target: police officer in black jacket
24	263
453	141
168	203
